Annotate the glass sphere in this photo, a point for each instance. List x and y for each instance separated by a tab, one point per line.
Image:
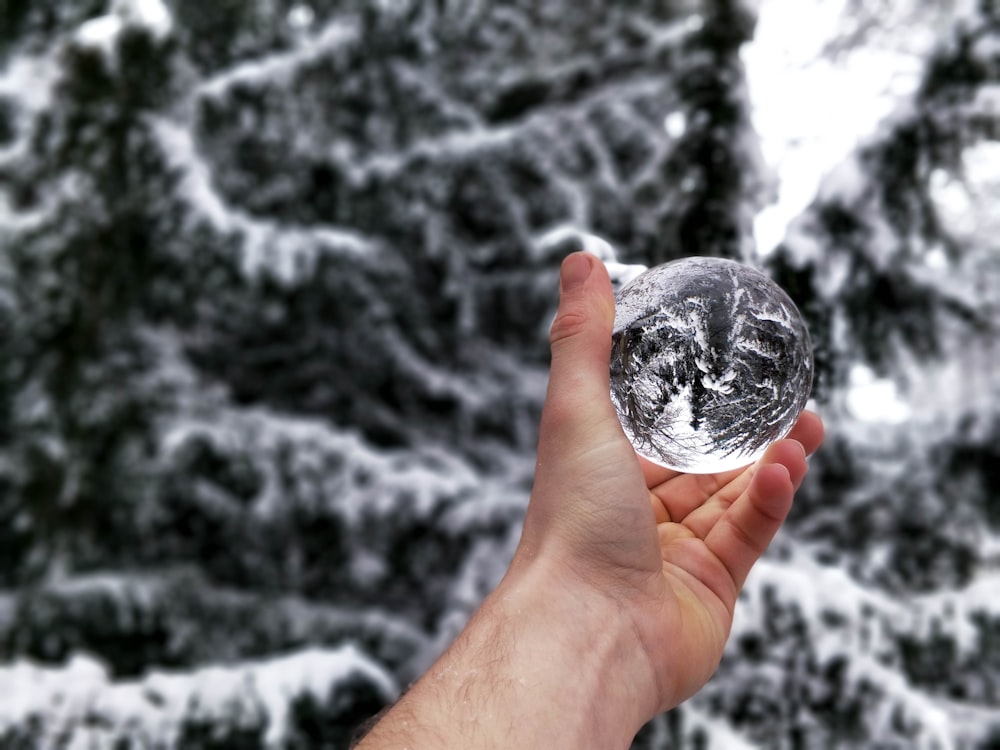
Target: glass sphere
710	364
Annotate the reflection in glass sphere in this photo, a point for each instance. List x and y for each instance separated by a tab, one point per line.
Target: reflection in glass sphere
710	364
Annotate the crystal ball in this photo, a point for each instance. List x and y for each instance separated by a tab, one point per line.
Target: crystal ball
710	363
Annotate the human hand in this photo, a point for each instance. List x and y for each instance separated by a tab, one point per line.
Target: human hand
670	551
620	596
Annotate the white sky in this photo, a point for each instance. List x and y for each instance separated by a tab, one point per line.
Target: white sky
810	109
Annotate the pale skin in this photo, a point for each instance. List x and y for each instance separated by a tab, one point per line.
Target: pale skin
620	597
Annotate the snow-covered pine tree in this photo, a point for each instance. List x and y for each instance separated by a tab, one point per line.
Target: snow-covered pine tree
275	281
892	633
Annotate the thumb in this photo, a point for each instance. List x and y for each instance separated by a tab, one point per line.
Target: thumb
578	398
587	469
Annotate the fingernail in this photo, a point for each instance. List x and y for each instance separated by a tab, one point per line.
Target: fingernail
575	270
801	448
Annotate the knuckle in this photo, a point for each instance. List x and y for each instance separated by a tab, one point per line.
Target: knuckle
745	538
566	325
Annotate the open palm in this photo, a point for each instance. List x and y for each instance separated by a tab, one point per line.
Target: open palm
711	528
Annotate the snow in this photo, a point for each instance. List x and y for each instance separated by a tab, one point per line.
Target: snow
870	624
955	609
566	237
902	704
812	103
720	735
874	399
27	82
67	699
301	17
816	589
284	250
564	234
151	14
675	124
967	201
277	68
102	32
678	32
367	482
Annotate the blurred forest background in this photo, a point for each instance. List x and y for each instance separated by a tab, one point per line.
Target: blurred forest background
275	284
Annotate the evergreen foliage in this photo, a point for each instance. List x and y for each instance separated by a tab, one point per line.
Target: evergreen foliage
275	284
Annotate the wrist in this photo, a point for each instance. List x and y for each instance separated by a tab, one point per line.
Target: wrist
543	663
574	658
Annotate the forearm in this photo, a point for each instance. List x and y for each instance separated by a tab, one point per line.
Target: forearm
536	667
